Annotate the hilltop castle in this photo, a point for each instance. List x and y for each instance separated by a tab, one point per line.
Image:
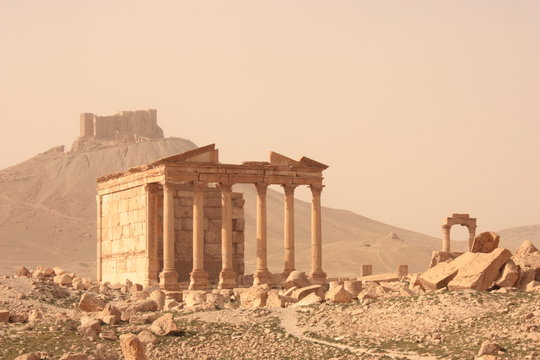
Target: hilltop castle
122	127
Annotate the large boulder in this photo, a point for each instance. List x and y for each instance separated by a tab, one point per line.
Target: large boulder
90	303
485	242
132	348
440	275
111	315
338	294
143	306
301	293
165	325
159	297
527	257
481	271
442	256
193	298
509	275
310	299
296	278
89	327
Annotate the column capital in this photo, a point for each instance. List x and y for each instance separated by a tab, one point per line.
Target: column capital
261	188
446	226
151	187
316	189
289	188
168	186
225	186
199	185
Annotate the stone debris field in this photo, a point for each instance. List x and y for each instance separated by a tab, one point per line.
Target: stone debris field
446	312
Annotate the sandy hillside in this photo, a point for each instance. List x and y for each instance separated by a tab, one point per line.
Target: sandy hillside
48	214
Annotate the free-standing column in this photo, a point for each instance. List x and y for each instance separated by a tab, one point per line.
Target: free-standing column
445	237
317	275
199	277
288	239
151	235
169	276
472	234
261	276
227	276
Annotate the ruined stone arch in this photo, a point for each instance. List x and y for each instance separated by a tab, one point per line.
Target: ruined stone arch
457	219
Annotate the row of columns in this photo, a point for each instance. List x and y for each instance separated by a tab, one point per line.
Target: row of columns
227	278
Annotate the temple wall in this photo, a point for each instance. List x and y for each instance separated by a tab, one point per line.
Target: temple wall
123	236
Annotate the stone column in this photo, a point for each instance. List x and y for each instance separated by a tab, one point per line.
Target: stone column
317	275
262	275
445	237
199	277
151	235
169	276
472	234
99	239
288	239
227	276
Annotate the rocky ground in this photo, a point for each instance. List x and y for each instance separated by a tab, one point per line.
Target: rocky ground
50	318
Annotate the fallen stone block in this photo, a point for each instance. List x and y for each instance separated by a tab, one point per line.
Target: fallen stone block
305	291
90	303
253	297
159	297
489	348
296	278
310	299
509	275
63	279
4	316
338	294
353	286
481	271
22	271
533	286
147	338
143	306
132	348
274	300
18	317
215	300
440	275
111	315
379	278
194	298
485	242
89	327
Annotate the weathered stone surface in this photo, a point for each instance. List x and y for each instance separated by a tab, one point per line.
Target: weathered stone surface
170	304
143	306
22	271
442	256
58	270
90	303
165	325
509	275
489	348
89	327
4	316
305	291
111	315
132	348
440	275
18	317
353	286
533	286
338	294
35	315
310	299
215	300
159	297
485	242
33	356
63	279
253	297
525	277
274	300
194	298
296	278
481	271
527	257
147	338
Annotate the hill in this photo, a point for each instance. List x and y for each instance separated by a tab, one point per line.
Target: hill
48	217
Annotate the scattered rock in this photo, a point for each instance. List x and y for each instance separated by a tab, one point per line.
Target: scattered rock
22	271
89	327
165	325
90	303
296	278
489	348
216	301
34	356
310	299
143	306
159	297
485	242
111	315
338	294
194	298
63	279
147	338
253	297
305	291
132	348
509	275
4	316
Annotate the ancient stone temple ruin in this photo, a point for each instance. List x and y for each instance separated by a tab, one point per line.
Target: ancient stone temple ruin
122	127
457	219
178	220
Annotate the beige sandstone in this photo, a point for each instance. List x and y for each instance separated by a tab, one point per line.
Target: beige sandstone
194	298
442	256
338	294
481	271
310	299
22	271
296	278
440	275
33	356
111	315
4	316
379	278
132	348
143	306
353	286
301	293
165	325
489	348
253	297
147	338
486	242
509	275
215	300
159	297
90	303
89	327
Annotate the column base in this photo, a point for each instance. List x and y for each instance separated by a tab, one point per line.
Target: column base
198	280
318	277
261	277
168	280
227	279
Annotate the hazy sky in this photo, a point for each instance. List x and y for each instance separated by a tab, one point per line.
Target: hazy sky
421	108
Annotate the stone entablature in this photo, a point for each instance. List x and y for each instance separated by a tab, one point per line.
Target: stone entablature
191	172
457	219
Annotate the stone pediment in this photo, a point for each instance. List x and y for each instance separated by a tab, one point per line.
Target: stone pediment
204	154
